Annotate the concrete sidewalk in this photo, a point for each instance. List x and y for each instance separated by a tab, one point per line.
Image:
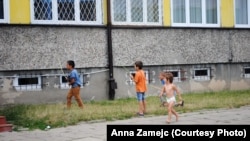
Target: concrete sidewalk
96	131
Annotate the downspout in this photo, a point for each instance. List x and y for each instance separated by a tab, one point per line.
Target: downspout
112	83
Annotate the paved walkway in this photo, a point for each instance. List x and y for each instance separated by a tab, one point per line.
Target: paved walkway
96	131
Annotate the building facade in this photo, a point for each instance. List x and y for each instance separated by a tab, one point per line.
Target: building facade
205	43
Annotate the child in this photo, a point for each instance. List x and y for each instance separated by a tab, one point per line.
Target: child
169	89
161	76
140	86
75	83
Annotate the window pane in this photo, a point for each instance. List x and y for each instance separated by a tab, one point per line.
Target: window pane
1	10
195	11
179	11
27	81
241	12
42	9
152	11
201	72
247	70
88	10
119	10
211	11
136	10
66	10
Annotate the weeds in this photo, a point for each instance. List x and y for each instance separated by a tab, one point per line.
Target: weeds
56	115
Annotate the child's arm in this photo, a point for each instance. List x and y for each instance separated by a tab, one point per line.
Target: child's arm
162	91
177	92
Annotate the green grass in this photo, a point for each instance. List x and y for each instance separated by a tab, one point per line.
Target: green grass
55	115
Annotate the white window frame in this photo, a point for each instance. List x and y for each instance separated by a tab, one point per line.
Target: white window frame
6	12
187	12
248	74
178	78
77	20
202	78
30	87
128	14
64	85
242	25
131	82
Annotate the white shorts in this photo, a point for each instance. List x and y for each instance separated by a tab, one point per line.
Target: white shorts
171	99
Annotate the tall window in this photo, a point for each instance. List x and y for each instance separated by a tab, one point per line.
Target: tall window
4	4
136	12
195	13
242	13
66	11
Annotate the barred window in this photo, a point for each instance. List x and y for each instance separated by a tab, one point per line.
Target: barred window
28	83
242	13
132	72
247	72
176	74
66	11
195	13
139	12
3	11
202	74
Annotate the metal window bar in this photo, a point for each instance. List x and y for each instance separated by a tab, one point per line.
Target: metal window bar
43	9
153	11
119	10
178	73
202	73
66	10
88	10
28	81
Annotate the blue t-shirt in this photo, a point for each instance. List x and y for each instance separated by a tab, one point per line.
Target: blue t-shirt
74	75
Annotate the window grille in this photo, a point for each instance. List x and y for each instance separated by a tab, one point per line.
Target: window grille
179	74
64	82
246	72
88	10
66	11
28	82
136	12
202	74
43	9
132	72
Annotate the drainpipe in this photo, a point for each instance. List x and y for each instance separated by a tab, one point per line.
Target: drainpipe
112	83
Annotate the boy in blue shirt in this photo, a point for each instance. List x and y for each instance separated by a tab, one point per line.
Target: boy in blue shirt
75	83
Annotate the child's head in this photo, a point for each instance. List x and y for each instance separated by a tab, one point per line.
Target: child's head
169	77
70	64
138	65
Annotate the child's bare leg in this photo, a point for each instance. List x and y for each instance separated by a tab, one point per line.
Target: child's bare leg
175	113
170	107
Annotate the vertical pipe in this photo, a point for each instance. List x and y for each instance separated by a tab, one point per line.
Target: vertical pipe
112	83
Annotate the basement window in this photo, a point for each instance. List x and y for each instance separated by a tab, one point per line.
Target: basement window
247	72
27	83
131	82
65	85
176	74
202	74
